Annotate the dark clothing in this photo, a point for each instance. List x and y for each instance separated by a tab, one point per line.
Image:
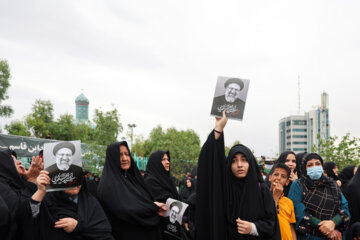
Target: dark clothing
92	186
328	167
187	191
5	219
172	230
233	110
64	179
92	221
345	176
222	198
16	193
158	180
126	200
352	194
316	200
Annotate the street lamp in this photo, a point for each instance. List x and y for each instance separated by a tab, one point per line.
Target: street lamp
131	126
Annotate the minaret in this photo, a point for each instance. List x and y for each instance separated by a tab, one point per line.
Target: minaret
82	109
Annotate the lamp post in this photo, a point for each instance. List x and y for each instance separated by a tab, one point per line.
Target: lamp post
131	126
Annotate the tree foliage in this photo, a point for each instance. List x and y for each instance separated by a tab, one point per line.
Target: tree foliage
5	110
108	126
17	128
41	118
184	147
344	151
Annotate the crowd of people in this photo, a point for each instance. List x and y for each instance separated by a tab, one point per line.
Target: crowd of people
229	197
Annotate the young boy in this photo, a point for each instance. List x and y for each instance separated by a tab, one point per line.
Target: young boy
279	178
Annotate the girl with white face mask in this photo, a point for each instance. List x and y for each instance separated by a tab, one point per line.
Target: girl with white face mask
321	210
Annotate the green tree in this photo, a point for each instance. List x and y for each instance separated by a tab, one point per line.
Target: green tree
64	128
17	128
5	110
107	127
344	151
184	147
41	118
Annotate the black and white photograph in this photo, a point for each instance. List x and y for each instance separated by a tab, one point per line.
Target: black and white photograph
230	96
64	163
174	215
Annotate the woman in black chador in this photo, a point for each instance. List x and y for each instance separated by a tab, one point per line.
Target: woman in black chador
73	214
131	210
16	193
353	197
232	200
161	186
157	177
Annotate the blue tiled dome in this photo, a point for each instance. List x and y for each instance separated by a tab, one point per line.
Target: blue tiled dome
82	99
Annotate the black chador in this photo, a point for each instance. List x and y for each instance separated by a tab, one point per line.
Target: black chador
222	198
83	207
158	180
126	200
16	193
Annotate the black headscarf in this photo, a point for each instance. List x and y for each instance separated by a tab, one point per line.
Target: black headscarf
125	197
352	194
323	192
158	180
187	191
92	221
299	158
16	193
328	167
283	156
345	176
222	198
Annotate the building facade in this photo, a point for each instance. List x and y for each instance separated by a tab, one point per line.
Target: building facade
299	133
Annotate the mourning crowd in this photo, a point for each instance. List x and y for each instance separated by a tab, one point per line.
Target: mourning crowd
228	197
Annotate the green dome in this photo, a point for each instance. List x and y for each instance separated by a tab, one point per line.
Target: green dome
82	99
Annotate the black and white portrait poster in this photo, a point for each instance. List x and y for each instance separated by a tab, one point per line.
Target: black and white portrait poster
173	216
230	95
64	163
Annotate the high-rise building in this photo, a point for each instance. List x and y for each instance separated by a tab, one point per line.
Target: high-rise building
299	133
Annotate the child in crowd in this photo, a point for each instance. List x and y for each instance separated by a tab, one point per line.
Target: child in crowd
279	178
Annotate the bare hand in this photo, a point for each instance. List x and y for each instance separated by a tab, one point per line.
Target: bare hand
35	167
244	227
42	180
220	124
293	176
276	189
326	227
68	224
338	183
334	235
162	208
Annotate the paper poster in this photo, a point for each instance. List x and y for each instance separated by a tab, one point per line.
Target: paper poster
230	95
173	216
64	163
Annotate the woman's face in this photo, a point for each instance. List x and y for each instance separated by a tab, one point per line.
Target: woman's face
188	183
165	162
336	171
125	160
290	161
239	165
313	163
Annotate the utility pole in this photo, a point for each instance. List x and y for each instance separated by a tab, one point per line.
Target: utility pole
298	95
132	126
